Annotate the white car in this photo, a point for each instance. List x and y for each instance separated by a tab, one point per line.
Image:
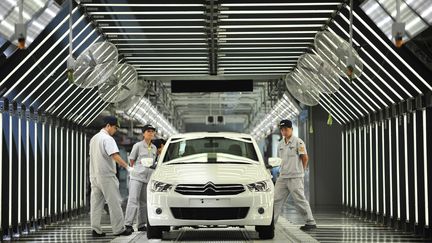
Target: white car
210	179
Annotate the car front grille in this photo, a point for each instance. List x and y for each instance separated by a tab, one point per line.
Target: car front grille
210	213
210	189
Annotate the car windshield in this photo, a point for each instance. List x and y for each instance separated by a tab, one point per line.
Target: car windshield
186	147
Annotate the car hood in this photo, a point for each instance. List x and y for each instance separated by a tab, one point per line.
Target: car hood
201	173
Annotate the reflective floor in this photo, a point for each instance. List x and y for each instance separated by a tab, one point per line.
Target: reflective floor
333	226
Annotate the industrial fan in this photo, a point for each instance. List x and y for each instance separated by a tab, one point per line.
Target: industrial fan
302	88
339	54
320	72
120	85
95	65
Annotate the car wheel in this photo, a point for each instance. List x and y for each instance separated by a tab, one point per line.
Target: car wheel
154	232
265	232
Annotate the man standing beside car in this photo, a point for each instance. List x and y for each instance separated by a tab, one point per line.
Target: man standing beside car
292	151
137	201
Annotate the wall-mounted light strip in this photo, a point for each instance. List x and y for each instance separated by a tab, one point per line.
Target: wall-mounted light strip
156	59
257	26
19	167
371	167
56	145
395	54
383	124
153	33
271	19
178	27
36	161
85	167
43	169
311	11
141	5
355	167
67	207
279	4
425	167
307	44
81	170
77	175
365	166
360	161
405	124
351	169
27	151
390	139
398	170
258	62
1	166
343	168
49	169
170	13
377	167
62	177
149	20
347	142
29	55
414	123
161	44
280	32
11	163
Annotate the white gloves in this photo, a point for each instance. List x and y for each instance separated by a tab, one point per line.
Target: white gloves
130	169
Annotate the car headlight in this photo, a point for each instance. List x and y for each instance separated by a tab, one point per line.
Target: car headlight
261	186
157	186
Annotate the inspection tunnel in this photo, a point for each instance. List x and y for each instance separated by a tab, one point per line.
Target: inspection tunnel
215	120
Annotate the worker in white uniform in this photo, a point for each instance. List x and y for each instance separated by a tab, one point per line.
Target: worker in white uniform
104	154
137	201
292	151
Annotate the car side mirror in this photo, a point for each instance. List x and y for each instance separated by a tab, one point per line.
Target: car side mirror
147	162
274	161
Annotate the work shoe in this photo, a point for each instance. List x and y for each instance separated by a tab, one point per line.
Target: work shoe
307	227
129	228
142	228
96	234
124	233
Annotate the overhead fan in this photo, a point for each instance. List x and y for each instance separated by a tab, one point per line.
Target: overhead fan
120	85
95	65
302	88
321	73
339	54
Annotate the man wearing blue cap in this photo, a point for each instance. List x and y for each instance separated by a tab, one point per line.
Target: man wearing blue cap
137	201
104	154
292	151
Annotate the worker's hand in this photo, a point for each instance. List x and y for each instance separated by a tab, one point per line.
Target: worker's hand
130	169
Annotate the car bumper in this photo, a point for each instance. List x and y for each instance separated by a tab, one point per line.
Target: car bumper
169	203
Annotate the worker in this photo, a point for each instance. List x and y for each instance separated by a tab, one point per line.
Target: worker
104	153
137	201
292	151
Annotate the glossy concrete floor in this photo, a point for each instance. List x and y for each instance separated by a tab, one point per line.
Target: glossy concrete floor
333	226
